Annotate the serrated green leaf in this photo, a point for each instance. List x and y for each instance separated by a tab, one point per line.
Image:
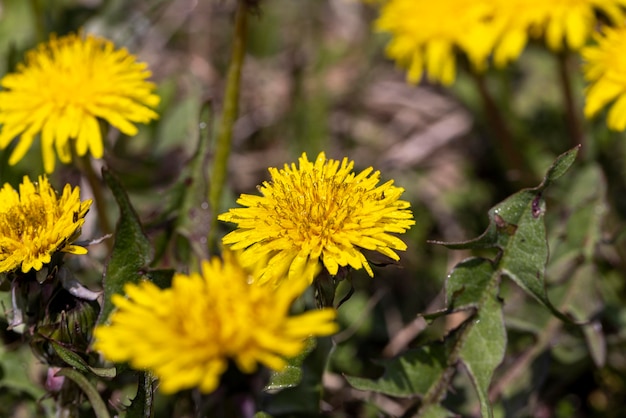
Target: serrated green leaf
304	398
292	374
141	405
131	253
479	343
525	255
468	283
502	217
584	199
484	347
415	372
465	286
517	229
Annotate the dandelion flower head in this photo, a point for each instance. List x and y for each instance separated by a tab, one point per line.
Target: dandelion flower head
425	35
35	223
63	88
560	22
204	320
319	211
605	70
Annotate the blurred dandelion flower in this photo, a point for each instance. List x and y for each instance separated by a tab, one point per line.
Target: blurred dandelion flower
605	70
426	35
204	320
35	223
560	22
319	211
62	89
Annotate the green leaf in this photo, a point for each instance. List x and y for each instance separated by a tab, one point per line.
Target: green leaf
76	361
415	372
479	343
436	411
484	347
468	283
502	217
517	231
187	212
289	377
465	286
305	397
141	405
525	255
95	400
131	253
161	277
560	166
194	216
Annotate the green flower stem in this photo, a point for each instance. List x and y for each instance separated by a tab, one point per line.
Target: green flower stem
96	187
143	403
98	405
571	109
229	115
38	12
504	144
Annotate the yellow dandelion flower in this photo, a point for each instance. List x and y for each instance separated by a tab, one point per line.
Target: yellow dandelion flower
605	70
560	22
35	223
426	35
204	320
61	91
319	211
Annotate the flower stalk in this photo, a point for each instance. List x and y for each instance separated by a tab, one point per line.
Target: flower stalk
37	12
95	184
504	143
229	115
574	127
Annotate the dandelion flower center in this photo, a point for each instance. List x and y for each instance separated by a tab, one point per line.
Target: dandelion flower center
315	207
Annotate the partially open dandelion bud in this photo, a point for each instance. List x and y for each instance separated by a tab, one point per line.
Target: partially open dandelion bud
69	322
